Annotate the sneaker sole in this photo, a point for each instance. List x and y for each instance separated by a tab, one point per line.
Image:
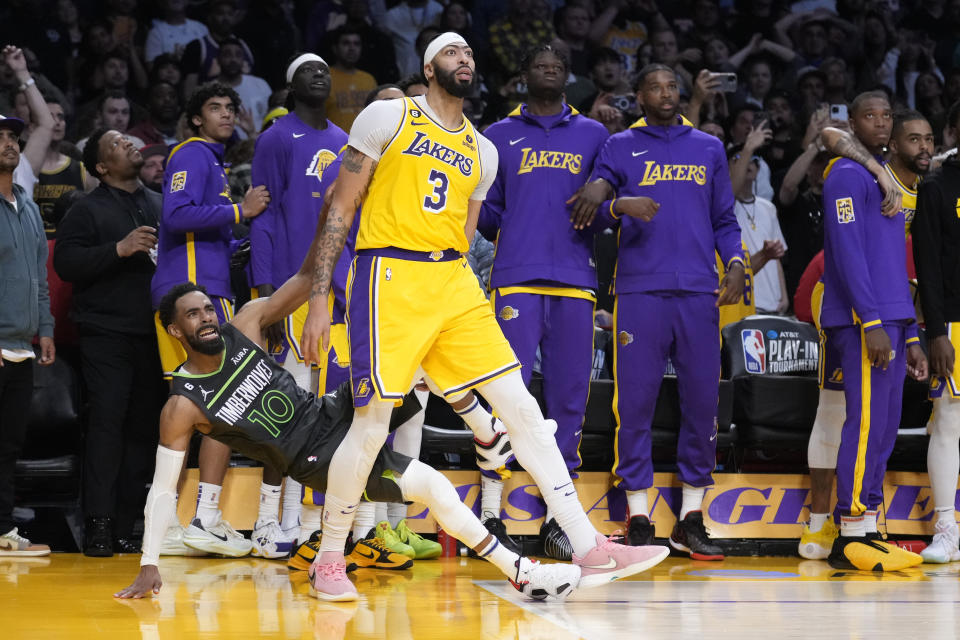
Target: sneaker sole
222	549
695	556
25	554
333	597
275	555
812	551
599	579
396	567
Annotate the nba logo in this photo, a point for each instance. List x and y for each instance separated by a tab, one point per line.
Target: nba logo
754	351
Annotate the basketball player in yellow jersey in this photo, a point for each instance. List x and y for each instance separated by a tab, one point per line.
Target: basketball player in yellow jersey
421	172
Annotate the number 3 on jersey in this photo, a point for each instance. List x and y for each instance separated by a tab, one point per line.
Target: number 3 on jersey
437	201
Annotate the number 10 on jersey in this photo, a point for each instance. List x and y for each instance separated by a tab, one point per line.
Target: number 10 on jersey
437	201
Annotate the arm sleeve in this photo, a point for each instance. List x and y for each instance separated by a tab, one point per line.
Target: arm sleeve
43	289
375	126
78	256
489	163
726	231
844	214
161	503
184	185
269	168
926	256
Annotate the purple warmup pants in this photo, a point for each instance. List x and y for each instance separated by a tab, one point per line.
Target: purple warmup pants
648	328
873	398
563	329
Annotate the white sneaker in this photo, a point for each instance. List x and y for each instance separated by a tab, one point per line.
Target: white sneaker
537	581
14	544
945	546
496	453
219	538
173	544
269	541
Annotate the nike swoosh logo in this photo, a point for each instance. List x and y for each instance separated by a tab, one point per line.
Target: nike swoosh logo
713	437
299	135
562	486
639	153
223	537
611	564
418	124
369	556
569	494
513	142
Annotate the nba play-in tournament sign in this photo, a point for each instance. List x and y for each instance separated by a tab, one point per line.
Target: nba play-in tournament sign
737	506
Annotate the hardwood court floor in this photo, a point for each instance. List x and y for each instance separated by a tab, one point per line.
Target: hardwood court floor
69	596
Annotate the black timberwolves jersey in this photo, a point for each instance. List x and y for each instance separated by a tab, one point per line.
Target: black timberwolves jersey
255	406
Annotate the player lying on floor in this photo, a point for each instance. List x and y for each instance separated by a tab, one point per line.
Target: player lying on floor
231	389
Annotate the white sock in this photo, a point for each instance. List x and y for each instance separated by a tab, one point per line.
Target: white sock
533	442
692	500
945	514
817	520
852	527
208	503
396	511
501	557
491	494
311	519
379	512
870	521
349	471
637	503
269	503
479	421
364	520
292	497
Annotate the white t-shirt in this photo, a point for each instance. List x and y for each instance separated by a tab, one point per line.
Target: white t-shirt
404	23
23	175
254	95
376	124
164	37
758	222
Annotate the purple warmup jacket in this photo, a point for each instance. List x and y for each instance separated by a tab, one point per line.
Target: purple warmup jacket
864	267
195	226
685	170
293	160
540	168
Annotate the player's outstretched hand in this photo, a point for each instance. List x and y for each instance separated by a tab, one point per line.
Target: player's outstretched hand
917	367
639	207
891	195
147	583
942	356
586	201
255	201
315	340
878	347
731	287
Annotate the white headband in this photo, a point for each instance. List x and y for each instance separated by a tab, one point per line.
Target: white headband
443	40
307	57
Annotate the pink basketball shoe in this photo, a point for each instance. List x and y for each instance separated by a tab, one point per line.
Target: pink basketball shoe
609	561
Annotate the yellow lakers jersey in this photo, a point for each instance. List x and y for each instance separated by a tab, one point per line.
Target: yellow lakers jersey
909	198
745	306
418	197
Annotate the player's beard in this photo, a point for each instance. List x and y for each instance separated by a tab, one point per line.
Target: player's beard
209	346
454	87
913	166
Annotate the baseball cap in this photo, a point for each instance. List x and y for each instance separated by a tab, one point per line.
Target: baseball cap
14	124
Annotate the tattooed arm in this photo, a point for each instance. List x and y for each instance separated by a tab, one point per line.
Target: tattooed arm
847	145
355	175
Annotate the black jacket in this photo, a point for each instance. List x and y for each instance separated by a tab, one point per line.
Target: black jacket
936	247
109	292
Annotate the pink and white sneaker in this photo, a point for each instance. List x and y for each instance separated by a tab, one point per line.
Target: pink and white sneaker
329	581
609	561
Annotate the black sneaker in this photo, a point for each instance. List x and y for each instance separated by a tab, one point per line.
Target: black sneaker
690	536
556	545
639	532
499	530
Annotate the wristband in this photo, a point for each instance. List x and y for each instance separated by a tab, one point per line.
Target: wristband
23	85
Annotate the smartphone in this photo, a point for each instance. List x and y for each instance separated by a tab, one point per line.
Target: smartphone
839	112
762	116
728	81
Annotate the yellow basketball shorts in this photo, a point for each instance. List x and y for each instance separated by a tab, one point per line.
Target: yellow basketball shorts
172	354
407	309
